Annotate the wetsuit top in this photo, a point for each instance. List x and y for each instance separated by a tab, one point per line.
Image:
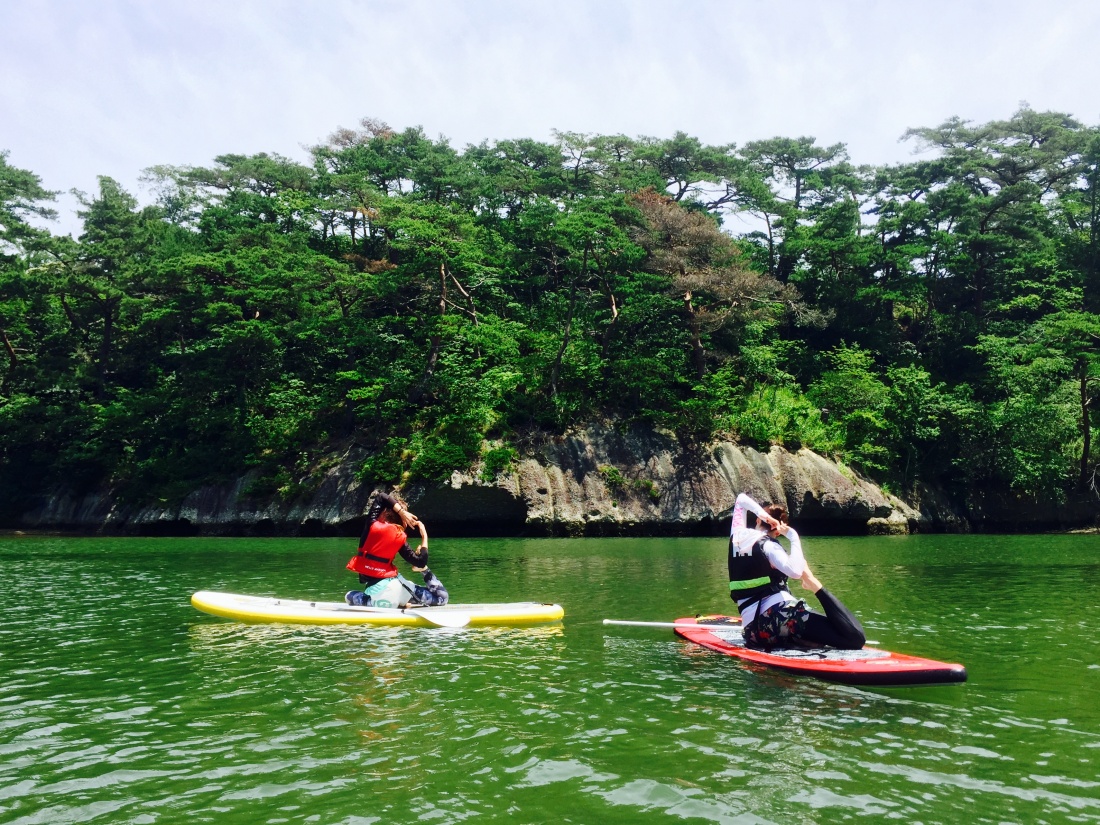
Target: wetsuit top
742	540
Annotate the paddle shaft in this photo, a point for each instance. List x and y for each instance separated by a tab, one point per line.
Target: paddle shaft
673	625
448	619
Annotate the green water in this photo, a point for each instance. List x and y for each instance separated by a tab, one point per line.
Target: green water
119	703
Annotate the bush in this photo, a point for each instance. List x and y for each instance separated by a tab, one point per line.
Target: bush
496	461
613	478
781	415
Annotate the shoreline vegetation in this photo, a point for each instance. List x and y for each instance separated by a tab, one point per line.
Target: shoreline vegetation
433	311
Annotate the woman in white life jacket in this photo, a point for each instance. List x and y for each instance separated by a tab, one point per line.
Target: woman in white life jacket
759	568
382	540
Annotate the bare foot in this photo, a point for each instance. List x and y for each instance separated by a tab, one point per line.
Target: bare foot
810	581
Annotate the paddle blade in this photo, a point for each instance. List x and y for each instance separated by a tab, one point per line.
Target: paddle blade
442	618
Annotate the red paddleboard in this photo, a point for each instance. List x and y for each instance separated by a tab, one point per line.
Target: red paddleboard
869	666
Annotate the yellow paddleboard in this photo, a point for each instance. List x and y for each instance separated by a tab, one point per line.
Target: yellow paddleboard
259	609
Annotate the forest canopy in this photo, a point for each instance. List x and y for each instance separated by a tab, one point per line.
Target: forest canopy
934	321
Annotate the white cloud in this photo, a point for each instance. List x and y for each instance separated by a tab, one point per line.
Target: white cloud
112	87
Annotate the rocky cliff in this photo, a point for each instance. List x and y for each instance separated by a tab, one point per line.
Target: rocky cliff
596	481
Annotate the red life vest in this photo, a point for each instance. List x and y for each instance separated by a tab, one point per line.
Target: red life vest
376	553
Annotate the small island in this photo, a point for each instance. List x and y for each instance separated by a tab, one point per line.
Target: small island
591	335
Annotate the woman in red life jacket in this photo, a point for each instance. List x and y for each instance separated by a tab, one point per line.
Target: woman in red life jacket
382	540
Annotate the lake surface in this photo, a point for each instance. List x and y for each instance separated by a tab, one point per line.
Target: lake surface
120	703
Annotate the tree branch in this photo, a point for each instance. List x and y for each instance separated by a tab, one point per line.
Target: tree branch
13	359
469	298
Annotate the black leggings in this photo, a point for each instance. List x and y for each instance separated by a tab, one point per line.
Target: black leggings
837	628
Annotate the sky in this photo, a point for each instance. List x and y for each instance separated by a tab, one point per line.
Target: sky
111	87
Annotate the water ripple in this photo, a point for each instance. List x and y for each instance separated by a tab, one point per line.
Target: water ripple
112	714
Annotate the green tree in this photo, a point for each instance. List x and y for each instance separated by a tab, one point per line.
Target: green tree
855	401
706	271
22	199
1076	335
423	303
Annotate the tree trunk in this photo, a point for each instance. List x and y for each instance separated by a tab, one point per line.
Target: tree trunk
698	354
1086	425
106	345
13	360
417	395
555	371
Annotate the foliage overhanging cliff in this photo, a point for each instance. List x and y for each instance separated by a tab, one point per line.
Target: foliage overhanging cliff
932	322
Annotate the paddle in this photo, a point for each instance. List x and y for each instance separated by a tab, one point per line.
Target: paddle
440	618
673	624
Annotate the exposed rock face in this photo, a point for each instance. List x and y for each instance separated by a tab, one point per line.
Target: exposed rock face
605	482
333	508
599	481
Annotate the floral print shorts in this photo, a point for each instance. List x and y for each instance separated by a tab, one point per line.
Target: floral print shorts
778	624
